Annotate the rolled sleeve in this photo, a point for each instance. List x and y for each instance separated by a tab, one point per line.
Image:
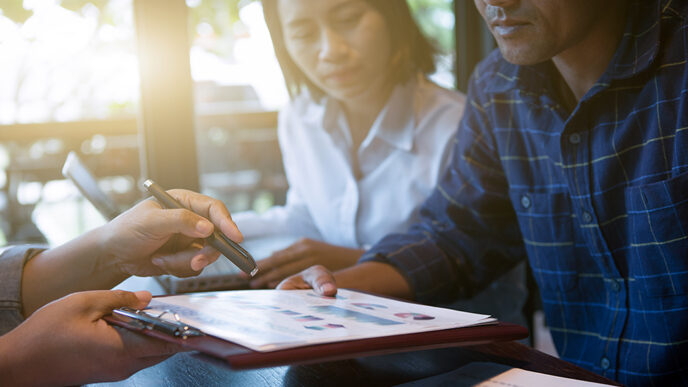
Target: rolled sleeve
12	261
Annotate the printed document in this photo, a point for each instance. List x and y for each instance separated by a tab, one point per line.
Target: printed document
269	320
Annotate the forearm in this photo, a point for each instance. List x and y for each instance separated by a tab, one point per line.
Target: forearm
375	277
14	367
78	265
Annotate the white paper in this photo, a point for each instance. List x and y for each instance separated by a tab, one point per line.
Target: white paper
269	320
481	374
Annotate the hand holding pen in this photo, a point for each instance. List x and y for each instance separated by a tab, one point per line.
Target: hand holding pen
149	240
230	249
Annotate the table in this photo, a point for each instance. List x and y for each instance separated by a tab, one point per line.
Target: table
193	369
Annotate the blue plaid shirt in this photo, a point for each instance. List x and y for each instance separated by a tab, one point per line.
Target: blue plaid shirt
596	199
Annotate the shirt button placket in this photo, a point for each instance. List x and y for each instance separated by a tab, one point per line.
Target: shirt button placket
574	138
605	363
525	201
586	217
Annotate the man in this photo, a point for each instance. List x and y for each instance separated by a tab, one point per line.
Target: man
573	154
66	342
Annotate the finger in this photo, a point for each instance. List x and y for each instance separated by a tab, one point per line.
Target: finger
294	282
204	257
185	263
144	297
210	208
167	222
279	273
321	280
99	303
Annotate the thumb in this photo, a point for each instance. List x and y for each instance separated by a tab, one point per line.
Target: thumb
102	302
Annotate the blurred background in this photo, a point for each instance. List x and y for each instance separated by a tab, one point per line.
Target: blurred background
182	91
186	92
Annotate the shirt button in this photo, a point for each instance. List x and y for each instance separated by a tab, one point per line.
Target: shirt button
525	201
615	285
604	363
587	218
574	138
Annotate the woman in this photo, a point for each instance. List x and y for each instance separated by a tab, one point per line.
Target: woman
365	136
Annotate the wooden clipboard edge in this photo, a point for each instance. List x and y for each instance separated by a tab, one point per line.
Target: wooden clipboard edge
239	357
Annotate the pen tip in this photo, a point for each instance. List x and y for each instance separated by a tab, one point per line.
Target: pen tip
254	271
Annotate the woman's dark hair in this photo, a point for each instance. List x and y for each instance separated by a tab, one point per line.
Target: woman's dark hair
411	51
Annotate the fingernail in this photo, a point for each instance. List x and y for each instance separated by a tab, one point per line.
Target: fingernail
197	245
204	227
157	261
198	264
327	287
228	225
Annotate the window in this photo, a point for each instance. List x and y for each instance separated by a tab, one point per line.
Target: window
71	79
68	81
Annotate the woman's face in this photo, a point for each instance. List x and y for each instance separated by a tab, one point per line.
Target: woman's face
342	46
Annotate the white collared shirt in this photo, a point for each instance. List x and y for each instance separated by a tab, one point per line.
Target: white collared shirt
400	162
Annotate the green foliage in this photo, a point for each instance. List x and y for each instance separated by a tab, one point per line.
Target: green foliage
14	10
436	19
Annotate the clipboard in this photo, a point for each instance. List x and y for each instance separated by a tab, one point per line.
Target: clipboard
240	357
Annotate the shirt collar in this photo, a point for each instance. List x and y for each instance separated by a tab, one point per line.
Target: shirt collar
640	43
395	124
636	51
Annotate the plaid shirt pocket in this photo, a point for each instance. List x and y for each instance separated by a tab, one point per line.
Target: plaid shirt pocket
658	226
547	227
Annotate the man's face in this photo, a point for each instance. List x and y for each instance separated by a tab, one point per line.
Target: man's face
533	31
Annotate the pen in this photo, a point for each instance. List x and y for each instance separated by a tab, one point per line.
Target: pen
230	249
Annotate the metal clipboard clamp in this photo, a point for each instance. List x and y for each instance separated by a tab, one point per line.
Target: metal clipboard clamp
144	321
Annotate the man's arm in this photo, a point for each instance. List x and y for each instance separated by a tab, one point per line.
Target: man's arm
468	233
146	240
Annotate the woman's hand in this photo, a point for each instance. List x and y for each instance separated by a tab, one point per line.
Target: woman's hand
299	256
68	343
149	240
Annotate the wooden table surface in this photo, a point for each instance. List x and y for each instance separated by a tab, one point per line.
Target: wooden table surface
193	369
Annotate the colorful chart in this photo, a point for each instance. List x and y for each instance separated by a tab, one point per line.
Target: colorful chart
323	327
307	318
415	316
368	306
352	314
